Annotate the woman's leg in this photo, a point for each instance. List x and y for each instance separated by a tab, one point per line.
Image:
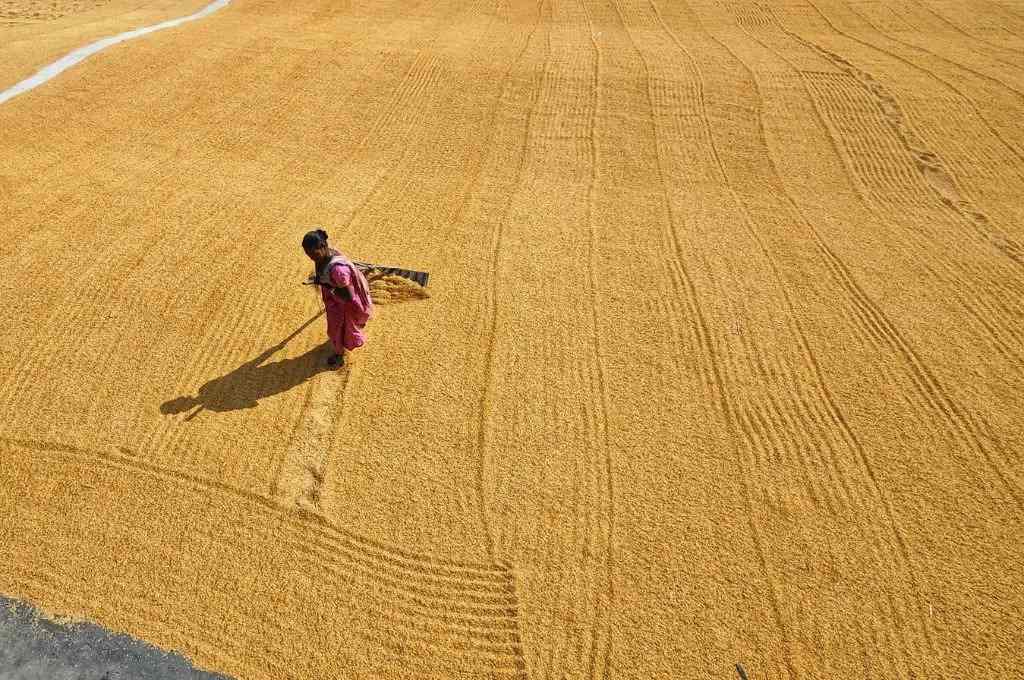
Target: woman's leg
335	333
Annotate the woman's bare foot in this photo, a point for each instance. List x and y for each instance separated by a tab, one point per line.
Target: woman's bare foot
336	360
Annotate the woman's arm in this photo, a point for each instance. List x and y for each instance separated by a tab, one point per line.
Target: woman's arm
342	279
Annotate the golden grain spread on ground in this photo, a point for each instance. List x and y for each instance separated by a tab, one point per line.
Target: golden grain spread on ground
14	11
725	366
392	288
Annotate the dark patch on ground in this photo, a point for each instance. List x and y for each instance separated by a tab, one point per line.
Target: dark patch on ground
34	648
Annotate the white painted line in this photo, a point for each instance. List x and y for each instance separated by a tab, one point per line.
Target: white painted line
69	60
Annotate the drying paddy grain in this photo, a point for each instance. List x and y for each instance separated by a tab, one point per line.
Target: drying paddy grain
12	11
392	288
722	362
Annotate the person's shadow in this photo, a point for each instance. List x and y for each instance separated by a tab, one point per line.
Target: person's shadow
254	380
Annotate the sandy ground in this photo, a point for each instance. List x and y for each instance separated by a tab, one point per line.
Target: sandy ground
722	361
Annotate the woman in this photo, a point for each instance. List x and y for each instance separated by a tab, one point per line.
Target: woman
345	293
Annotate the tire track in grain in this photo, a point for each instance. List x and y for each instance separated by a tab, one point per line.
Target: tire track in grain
552	118
759	443
929	164
563	134
787	417
457	217
964	32
998	304
927	383
941	44
1002	129
672	100
491	193
601	632
1000	282
497	239
1001	24
762	424
782	414
963	425
999	321
830	414
1006	16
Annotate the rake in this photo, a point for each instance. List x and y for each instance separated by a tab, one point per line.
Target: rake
374	271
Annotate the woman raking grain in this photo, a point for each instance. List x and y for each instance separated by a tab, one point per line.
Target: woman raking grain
345	293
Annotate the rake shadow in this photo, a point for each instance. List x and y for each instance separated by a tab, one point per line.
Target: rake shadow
254	380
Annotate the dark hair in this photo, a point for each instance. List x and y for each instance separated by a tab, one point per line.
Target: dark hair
314	239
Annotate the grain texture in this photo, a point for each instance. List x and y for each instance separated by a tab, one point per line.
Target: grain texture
721	366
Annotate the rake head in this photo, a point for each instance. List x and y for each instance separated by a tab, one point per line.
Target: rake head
373	271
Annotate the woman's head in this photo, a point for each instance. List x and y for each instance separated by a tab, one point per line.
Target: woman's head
315	244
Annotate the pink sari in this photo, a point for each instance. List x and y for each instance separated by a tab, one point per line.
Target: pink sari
346	319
